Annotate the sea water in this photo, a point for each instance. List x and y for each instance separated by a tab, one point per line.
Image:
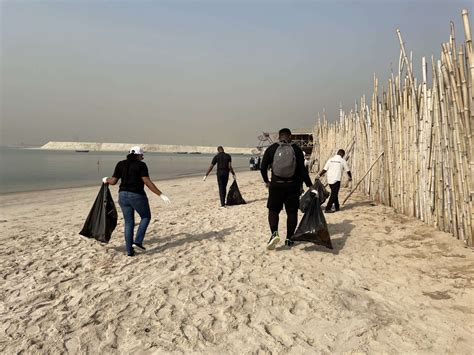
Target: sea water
35	169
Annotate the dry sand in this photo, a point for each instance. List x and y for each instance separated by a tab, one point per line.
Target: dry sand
207	284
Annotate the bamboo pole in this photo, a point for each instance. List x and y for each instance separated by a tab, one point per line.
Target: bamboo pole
424	129
409	68
367	172
470	61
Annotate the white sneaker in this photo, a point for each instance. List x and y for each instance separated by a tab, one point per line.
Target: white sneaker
274	240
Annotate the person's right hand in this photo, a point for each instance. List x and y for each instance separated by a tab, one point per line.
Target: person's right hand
314	192
165	199
204	178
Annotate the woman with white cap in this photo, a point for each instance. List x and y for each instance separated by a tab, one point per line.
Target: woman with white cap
132	197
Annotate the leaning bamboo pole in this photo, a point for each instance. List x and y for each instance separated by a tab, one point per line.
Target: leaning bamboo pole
425	129
362	178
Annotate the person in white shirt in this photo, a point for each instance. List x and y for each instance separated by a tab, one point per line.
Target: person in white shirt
334	167
307	161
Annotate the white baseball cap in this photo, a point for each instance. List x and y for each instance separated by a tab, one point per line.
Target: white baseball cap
136	149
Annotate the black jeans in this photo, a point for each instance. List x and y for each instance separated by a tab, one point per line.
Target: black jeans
334	198
222	179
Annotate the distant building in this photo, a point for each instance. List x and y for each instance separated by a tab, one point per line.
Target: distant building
303	138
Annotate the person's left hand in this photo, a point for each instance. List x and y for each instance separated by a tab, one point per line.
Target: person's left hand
104	180
314	192
165	199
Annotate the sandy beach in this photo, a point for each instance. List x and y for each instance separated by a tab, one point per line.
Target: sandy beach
207	284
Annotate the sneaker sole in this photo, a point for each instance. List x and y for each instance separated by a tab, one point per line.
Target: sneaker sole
272	244
138	249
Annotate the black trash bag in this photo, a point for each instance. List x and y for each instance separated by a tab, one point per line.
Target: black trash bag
305	200
323	193
313	227
233	196
102	218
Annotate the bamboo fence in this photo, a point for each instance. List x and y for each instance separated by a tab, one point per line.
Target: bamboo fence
423	130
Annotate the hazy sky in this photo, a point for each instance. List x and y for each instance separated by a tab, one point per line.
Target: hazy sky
199	72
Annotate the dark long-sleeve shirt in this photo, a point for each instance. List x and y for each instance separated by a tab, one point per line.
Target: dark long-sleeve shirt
301	174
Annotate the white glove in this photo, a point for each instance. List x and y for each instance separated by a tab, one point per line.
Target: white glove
314	192
165	199
104	180
204	178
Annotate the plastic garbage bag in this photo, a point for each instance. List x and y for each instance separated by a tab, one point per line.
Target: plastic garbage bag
307	197
305	200
313	227
102	218
233	196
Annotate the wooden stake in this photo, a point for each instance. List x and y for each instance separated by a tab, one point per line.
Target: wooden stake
367	172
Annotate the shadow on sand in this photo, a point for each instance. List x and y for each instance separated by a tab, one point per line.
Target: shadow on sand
179	239
176	240
357	204
256	200
345	227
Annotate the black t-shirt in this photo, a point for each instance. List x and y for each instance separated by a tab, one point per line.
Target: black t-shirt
131	173
222	160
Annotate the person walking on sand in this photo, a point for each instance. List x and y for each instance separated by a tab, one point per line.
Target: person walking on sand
132	197
288	174
224	166
334	167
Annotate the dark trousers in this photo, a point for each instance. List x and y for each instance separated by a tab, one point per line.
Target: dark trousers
222	179
334	198
291	222
279	195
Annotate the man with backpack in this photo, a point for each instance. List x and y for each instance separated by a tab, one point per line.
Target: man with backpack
288	174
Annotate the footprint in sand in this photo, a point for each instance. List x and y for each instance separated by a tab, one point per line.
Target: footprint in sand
277	333
438	295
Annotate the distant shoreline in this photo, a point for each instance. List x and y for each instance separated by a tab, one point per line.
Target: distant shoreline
158	148
158	180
